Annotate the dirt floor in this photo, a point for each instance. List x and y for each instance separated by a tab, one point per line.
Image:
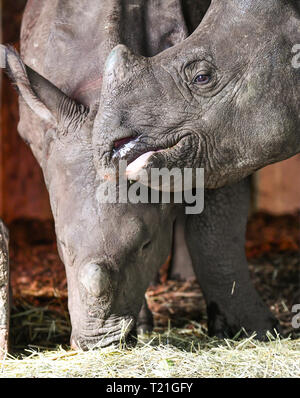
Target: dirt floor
39	311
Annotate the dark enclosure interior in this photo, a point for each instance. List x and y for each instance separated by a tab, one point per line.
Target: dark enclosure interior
37	274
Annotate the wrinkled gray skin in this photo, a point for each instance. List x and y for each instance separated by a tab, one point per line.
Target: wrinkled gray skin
245	117
105	248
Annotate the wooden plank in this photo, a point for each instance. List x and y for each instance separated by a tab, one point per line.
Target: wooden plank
278	187
23	193
4	290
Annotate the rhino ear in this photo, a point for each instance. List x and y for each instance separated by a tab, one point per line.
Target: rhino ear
44	98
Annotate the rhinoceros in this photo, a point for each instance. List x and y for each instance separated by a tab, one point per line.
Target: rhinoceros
225	99
111	251
74	62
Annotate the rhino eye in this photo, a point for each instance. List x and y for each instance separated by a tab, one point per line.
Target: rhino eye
202	79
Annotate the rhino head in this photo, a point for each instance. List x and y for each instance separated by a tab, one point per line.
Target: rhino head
225	99
111	251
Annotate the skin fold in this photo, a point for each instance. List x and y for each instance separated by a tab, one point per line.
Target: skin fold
83	100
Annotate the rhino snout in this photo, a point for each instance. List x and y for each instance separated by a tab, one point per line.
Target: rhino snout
95	279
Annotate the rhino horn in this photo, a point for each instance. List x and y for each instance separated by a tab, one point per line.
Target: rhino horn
95	279
121	64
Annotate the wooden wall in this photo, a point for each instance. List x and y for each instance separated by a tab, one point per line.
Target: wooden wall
22	190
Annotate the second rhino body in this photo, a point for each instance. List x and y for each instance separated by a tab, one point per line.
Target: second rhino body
111	252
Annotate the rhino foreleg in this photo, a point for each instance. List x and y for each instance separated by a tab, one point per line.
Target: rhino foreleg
216	240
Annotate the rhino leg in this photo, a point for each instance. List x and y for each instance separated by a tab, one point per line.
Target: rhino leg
145	319
4	290
216	240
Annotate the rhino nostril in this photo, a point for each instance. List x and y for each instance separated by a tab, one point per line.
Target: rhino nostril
95	279
146	245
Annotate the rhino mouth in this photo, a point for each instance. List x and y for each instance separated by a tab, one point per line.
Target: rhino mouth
137	150
121	143
131	148
114	331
